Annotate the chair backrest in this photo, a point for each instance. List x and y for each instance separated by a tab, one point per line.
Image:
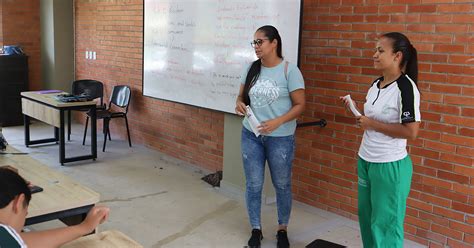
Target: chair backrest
121	95
93	88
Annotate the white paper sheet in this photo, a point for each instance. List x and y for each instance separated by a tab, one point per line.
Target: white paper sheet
254	123
352	106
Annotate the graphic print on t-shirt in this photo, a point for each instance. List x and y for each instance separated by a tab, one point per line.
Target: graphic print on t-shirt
264	92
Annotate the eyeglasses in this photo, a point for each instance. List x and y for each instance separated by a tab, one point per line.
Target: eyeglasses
257	42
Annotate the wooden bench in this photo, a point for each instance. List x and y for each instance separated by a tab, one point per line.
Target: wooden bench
63	198
105	239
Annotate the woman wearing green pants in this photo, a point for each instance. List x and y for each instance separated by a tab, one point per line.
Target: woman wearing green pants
391	116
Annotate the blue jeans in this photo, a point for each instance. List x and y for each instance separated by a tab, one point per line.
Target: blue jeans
279	153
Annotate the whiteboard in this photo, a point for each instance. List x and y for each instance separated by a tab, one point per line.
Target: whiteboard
195	51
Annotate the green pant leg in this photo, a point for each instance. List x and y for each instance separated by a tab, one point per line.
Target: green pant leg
390	186
364	203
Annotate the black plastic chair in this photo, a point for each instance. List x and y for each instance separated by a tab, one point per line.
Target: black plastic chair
121	95
93	89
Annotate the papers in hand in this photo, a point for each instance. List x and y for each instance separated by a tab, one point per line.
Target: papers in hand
253	122
352	106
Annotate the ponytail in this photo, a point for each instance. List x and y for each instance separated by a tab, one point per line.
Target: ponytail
252	76
411	67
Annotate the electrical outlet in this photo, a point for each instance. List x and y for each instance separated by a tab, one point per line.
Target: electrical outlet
94	55
87	54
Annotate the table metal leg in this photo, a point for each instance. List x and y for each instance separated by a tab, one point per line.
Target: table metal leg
62	148
69	125
28	141
26	123
56	134
94	132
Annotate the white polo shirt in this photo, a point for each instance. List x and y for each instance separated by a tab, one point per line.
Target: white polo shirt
397	102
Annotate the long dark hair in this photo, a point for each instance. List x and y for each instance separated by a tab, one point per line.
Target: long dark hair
409	63
254	72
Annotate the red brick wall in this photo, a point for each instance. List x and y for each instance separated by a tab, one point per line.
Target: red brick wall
337	45
114	29
21	26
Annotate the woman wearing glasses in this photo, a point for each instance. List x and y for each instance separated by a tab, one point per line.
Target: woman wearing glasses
274	90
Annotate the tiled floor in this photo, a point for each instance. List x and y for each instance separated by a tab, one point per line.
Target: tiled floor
160	201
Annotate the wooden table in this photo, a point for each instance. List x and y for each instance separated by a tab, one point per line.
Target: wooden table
45	108
106	239
62	197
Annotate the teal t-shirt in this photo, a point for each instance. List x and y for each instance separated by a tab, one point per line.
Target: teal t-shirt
270	95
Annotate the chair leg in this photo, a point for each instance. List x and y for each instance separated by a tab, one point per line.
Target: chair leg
128	132
69	125
85	131
106	131
103	126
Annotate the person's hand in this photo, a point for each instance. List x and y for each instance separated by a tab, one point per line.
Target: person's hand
240	108
267	127
346	102
364	122
97	215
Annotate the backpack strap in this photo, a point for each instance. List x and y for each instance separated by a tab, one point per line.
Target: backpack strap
286	70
